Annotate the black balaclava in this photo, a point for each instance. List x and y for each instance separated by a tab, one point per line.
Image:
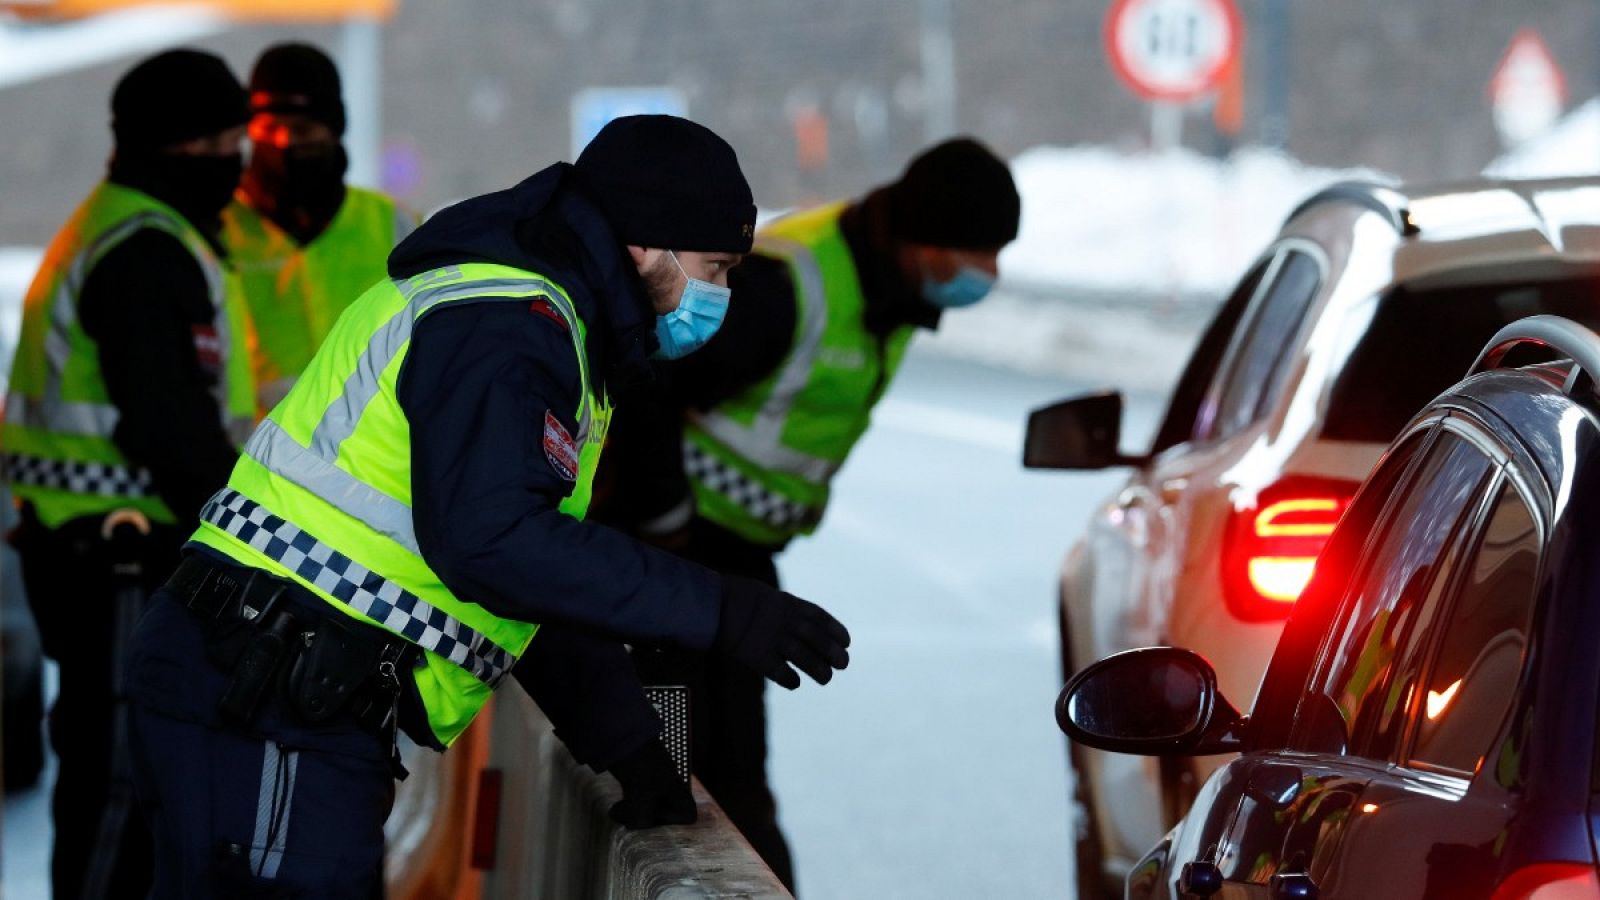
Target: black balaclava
170	98
299	188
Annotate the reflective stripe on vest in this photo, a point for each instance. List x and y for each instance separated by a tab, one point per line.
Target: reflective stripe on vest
761	462
59	421
365	592
313	467
321	493
77	476
761	441
769	506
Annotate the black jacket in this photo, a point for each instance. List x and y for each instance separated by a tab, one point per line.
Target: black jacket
476	386
643	476
143	303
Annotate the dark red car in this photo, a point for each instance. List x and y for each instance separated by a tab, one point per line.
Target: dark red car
1427	726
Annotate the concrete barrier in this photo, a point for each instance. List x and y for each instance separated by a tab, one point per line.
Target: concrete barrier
552	838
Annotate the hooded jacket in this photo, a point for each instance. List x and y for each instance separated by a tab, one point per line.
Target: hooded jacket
642	476
476	385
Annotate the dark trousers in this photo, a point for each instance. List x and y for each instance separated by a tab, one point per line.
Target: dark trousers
728	717
85	616
271	810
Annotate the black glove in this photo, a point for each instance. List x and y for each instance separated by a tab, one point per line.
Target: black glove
768	630
652	792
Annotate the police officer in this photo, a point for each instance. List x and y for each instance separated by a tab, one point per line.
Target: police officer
408	524
130	372
735	457
305	244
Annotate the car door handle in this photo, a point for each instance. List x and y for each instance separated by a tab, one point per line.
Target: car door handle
1292	886
1200	878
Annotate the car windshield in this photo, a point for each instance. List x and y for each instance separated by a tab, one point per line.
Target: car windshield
1420	342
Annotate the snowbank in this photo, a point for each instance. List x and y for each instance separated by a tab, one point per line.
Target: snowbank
1121	256
1572	147
1176	224
17	265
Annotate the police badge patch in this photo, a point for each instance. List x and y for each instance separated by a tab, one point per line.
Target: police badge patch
559	447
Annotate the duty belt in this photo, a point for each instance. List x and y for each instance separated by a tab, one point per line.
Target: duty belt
362	590
260	627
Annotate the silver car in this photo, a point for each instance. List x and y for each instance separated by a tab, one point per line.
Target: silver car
1371	301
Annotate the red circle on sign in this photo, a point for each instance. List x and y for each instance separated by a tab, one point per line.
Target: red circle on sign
1173	50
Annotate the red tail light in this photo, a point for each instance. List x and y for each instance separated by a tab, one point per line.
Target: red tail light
1550	881
1273	541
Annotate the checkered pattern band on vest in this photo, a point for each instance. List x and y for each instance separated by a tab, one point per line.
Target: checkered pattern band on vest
76	476
348	581
772	508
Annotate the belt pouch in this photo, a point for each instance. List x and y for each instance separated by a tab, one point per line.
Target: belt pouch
256	666
228	630
337	660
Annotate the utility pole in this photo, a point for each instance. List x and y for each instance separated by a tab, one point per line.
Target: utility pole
361	71
938	70
1277	73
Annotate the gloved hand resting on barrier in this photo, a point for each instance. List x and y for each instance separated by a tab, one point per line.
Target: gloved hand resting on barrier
652	792
769	630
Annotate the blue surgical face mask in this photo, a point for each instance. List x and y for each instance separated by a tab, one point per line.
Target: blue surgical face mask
969	285
698	316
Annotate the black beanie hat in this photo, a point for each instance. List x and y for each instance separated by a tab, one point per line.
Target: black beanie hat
956	194
298	78
174	97
669	183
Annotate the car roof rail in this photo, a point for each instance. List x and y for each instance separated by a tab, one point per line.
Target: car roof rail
1369	195
1563	337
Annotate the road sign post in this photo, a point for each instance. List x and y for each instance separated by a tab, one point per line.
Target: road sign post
1172	52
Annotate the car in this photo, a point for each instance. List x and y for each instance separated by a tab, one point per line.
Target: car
1370	301
1427	726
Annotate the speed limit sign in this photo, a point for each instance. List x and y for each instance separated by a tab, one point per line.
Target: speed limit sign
1173	50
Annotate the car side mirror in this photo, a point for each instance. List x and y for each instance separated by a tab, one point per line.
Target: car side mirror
1152	701
1082	433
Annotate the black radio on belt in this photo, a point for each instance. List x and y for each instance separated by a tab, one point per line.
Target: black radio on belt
263	654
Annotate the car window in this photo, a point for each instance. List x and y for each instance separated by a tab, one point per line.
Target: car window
1387	597
1190	392
1380	726
1475	671
1253	373
1285	681
1390	375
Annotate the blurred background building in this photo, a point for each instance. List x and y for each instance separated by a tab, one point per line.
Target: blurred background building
823	98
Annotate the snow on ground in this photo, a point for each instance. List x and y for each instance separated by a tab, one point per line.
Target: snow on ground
1119	341
1572	147
1177	223
1122	256
17	265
